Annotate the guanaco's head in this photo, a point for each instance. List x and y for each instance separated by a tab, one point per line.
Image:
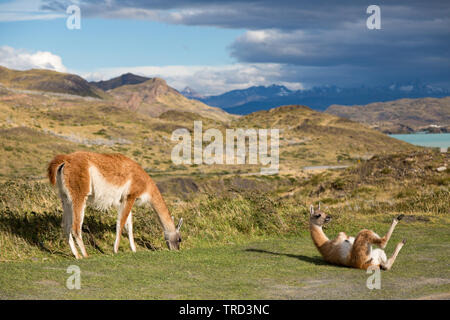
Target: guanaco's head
318	217
173	239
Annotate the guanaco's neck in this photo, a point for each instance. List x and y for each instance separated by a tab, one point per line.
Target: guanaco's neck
161	209
318	235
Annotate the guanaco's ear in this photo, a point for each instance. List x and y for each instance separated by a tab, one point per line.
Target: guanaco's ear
311	210
319	206
179	224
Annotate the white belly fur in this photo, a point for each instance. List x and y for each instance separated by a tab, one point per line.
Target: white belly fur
378	256
344	248
103	194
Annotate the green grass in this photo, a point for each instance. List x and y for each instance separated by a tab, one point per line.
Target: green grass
263	268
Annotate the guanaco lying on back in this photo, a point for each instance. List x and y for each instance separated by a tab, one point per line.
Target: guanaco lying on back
106	180
352	252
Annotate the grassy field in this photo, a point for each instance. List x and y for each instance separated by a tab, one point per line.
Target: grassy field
264	268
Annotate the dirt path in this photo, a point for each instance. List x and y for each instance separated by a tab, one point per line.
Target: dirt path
313	168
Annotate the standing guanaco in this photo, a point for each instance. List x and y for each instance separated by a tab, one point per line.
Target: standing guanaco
106	180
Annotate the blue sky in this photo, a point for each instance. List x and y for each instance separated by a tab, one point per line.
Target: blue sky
214	46
102	43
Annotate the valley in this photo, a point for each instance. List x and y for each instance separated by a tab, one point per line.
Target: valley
230	208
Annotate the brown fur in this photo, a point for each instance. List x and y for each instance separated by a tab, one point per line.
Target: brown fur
53	166
359	256
117	170
329	249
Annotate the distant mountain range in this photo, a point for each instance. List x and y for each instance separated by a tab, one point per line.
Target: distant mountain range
319	98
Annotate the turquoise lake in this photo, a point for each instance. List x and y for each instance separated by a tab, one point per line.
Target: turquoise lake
438	140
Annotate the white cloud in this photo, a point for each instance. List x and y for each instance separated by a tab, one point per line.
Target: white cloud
256	36
21	59
208	80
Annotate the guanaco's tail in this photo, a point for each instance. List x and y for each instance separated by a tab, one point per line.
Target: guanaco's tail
53	167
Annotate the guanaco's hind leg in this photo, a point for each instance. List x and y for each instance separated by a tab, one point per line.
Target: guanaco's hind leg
122	218
129	229
67	224
388	264
67	227
391	230
68	214
78	211
373	238
360	255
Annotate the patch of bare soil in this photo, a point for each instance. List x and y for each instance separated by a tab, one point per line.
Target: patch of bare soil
49	283
412	218
311	289
437	296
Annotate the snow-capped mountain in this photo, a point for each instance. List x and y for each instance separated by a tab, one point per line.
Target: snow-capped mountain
265	97
191	93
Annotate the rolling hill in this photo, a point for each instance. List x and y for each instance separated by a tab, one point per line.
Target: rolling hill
149	96
48	81
400	116
310	137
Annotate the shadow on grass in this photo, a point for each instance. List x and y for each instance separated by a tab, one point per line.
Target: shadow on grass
143	242
39	229
314	260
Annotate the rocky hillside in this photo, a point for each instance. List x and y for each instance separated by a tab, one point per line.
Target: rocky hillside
127	78
154	97
400	116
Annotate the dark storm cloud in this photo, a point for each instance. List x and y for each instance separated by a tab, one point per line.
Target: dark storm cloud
257	14
314	35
